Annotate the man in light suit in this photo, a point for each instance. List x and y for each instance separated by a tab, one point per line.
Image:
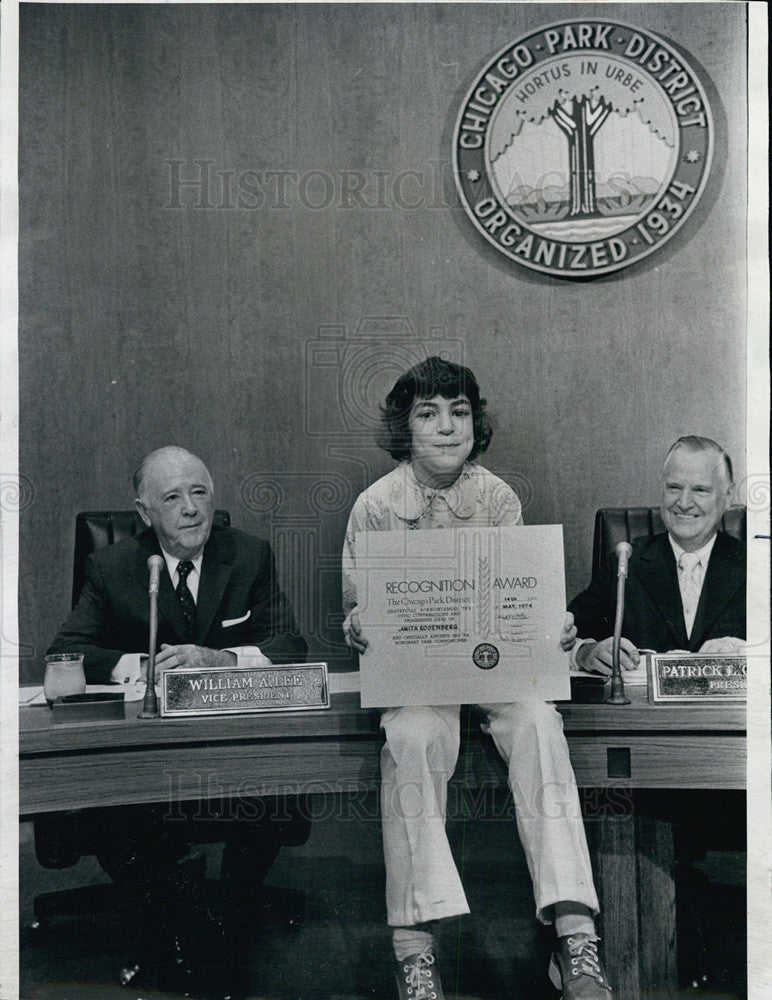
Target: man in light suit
219	604
685	591
686	586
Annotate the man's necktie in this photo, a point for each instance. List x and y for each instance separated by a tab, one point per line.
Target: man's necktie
184	596
689	584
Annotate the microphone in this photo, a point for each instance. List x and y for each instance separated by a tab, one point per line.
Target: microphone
623	551
150	702
155	565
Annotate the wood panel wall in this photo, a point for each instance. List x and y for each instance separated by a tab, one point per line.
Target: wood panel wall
259	320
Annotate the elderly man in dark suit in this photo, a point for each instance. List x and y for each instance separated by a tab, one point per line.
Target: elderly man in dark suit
219	604
686	586
685	591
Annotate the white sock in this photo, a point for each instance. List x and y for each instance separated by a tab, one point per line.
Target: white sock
411	941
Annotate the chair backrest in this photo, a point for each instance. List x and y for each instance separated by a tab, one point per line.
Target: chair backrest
94	529
626	524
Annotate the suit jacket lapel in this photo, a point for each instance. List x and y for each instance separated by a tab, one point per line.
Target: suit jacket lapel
723	577
168	605
216	569
658	574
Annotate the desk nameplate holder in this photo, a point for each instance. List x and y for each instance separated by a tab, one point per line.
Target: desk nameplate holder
707	678
292	687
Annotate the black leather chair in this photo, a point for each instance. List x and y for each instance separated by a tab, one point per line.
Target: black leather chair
62	839
94	529
699	824
626	524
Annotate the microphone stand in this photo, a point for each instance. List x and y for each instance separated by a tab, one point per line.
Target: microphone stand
150	701
617	696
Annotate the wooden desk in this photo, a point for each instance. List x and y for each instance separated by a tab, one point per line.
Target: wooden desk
122	761
129	760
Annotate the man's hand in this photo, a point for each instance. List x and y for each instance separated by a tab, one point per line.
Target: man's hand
596	658
568	634
191	657
353	632
729	644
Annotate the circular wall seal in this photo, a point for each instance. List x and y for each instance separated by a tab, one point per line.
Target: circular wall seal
485	656
582	147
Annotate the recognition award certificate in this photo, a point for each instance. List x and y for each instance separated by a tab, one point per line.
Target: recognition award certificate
463	616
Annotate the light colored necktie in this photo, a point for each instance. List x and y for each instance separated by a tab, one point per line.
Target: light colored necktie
689	584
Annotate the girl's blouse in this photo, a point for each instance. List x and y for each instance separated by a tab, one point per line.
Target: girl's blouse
399	502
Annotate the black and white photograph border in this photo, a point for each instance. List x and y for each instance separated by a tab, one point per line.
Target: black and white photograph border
336	281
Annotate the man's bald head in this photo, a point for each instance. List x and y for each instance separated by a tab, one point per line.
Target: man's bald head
162	457
175	497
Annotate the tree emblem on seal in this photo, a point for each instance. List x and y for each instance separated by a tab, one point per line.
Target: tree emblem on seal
583	147
580	120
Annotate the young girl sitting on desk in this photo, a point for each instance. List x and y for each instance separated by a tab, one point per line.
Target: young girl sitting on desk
434	424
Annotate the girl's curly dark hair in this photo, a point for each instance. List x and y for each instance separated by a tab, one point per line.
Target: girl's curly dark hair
432	377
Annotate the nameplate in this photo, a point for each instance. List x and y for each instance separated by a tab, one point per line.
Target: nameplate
694	677
292	687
